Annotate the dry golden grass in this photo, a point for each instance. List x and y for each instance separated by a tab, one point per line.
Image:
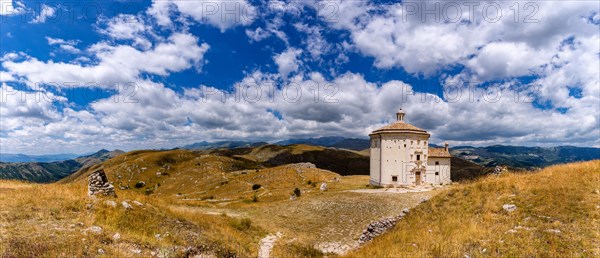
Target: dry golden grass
51	221
558	213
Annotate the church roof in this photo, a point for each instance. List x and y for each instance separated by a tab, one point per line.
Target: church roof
439	153
400	126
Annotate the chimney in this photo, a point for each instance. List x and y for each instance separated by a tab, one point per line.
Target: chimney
400	116
446	146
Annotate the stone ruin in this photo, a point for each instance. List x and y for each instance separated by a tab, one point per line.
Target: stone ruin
98	184
377	228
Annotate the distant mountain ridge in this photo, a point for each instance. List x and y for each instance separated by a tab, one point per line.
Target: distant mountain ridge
524	157
330	141
10	157
222	145
46	172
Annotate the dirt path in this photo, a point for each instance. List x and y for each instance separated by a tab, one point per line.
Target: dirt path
266	245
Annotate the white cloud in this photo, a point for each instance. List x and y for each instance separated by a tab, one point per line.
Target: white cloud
45	13
396	37
127	27
10	7
507	59
287	62
223	14
65	45
117	64
159	117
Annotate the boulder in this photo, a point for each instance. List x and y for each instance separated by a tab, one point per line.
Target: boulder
126	205
110	203
323	187
509	207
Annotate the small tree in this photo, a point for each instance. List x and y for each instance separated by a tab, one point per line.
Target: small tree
297	192
256	186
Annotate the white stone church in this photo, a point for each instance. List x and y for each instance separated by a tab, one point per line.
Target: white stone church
400	156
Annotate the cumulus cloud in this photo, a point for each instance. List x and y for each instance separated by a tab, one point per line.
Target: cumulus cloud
117	64
259	108
404	35
11	7
45	13
287	62
223	14
127	27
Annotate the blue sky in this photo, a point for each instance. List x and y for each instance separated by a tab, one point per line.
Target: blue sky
78	76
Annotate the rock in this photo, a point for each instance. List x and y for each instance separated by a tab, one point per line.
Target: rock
596	191
555	231
110	203
95	230
333	247
377	228
98	184
138	203
509	207
405	210
292	197
323	187
126	205
101	251
116	237
136	251
304	165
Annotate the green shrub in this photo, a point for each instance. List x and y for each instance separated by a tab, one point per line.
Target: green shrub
140	184
309	182
256	187
297	192
242	224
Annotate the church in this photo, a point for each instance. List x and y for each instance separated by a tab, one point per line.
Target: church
401	156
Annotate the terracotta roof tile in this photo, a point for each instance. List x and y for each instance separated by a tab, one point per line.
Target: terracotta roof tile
439	153
400	126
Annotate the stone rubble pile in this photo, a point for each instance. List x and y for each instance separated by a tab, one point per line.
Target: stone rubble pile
98	184
377	228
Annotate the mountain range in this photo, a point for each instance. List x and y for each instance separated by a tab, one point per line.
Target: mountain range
346	156
9	157
45	172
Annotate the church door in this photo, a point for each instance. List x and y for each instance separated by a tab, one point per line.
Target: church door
418	178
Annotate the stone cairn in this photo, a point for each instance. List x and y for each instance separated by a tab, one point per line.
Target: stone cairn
98	184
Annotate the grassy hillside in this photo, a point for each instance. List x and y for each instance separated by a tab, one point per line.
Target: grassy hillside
191	203
557	215
58	220
343	162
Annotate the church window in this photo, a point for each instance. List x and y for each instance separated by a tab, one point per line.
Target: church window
394	178
418	157
437	173
437	163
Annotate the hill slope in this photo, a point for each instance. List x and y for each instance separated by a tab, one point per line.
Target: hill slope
46	172
557	215
524	157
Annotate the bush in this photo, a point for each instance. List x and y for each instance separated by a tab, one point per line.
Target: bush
309	182
140	184
242	225
297	192
256	186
